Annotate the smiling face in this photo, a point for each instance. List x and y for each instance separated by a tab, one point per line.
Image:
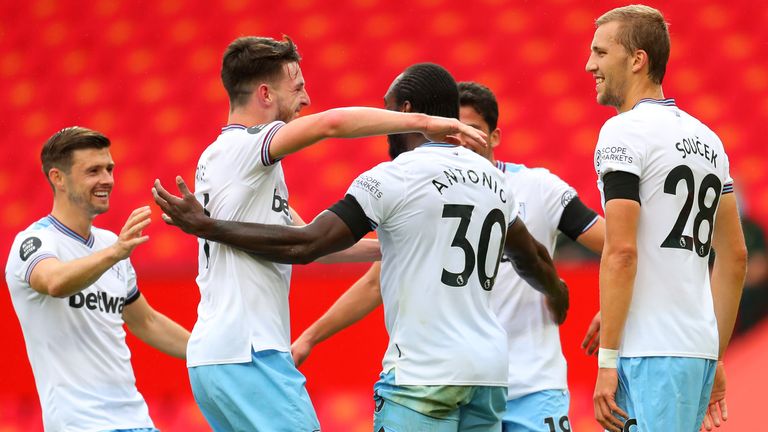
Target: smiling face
290	92
89	182
611	66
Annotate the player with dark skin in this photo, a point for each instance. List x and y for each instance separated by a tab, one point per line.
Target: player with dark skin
328	233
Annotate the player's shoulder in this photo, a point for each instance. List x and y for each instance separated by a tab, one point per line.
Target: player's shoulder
42	228
516	170
240	133
31	239
531	177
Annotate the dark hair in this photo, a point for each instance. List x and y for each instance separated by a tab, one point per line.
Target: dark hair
249	59
57	151
430	89
482	100
642	27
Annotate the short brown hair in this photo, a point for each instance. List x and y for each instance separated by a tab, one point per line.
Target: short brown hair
249	59
642	27
57	151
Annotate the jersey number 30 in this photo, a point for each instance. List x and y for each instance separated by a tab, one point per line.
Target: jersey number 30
464	214
676	239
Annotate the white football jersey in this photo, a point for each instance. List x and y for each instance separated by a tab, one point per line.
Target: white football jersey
243	299
441	213
76	345
683	171
536	359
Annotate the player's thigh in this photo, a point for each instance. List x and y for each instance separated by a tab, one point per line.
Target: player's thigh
543	411
666	393
389	416
268	394
484	410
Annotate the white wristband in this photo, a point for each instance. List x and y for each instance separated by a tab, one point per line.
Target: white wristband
607	358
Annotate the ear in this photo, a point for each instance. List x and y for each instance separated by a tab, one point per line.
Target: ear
406	108
494	138
56	177
639	60
263	94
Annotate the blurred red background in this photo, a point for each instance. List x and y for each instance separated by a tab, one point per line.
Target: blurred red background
147	74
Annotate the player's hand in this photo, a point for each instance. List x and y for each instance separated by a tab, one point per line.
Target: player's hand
300	350
184	212
558	303
591	341
131	234
717	411
443	129
607	412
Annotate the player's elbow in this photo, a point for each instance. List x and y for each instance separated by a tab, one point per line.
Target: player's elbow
735	257
56	291
622	256
52	287
306	252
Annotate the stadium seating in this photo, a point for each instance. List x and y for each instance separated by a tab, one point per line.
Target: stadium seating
146	74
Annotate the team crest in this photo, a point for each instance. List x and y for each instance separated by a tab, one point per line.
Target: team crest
567	197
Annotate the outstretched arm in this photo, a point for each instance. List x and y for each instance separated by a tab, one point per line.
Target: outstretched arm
366	250
279	243
156	329
360	122
357	302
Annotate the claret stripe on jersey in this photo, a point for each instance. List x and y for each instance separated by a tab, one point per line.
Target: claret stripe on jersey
34	262
265	159
233	126
69	233
665	102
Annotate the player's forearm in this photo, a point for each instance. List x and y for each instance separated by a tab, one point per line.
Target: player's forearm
358	122
618	268
163	334
63	279
366	250
537	269
357	302
353	122
727	283
279	243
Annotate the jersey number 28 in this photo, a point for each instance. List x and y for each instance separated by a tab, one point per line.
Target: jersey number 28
676	239
464	214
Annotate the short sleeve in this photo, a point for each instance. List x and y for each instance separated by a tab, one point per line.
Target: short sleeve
130	283
555	194
728	183
32	248
513	206
379	191
619	148
253	154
